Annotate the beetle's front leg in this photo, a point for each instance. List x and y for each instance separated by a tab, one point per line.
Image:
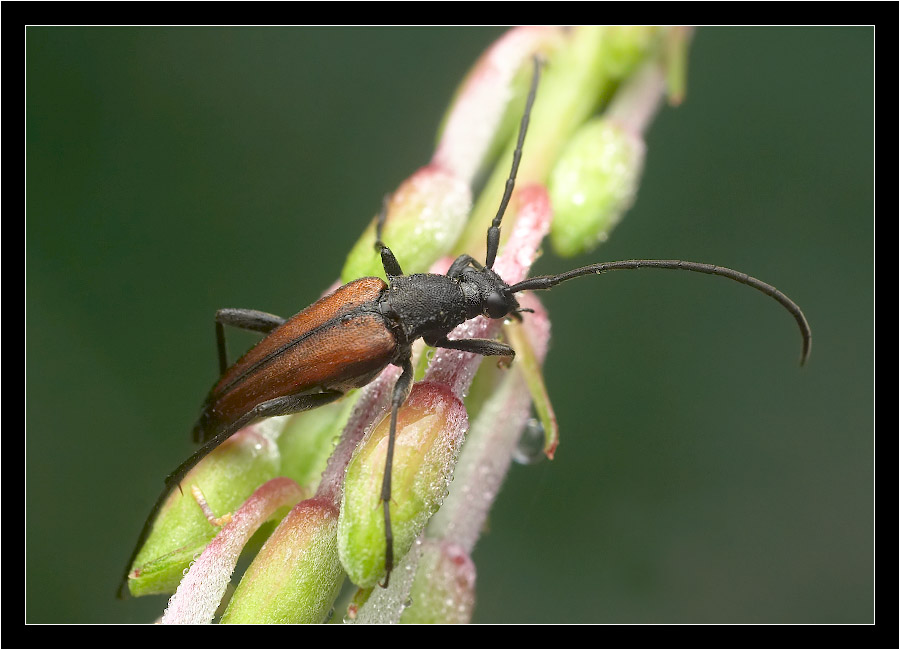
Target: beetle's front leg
398	397
484	347
462	262
245	319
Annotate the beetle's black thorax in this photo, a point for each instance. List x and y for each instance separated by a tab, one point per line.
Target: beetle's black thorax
423	304
430	306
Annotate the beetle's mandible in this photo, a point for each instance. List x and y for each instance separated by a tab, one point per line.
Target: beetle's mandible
348	337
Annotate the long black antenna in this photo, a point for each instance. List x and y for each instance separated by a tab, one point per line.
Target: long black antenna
493	233
548	281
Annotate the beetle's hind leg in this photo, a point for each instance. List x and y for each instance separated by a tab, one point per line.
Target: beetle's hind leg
245	319
399	395
278	406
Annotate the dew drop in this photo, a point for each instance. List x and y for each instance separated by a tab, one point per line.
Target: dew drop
530	448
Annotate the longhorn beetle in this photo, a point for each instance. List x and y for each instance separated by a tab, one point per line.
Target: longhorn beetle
348	337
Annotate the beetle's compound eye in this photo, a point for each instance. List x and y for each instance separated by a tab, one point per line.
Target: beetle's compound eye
495	305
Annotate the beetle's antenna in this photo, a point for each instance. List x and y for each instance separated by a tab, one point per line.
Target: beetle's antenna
380	221
493	233
548	281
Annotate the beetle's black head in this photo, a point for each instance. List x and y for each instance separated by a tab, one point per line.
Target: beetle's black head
487	294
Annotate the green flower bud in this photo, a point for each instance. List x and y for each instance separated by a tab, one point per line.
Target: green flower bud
443	590
227	477
296	575
425	216
592	185
430	429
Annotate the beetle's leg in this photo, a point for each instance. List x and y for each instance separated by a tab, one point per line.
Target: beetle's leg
399	395
484	347
245	319
278	406
461	263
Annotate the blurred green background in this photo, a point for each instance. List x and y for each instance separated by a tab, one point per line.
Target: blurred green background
702	476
